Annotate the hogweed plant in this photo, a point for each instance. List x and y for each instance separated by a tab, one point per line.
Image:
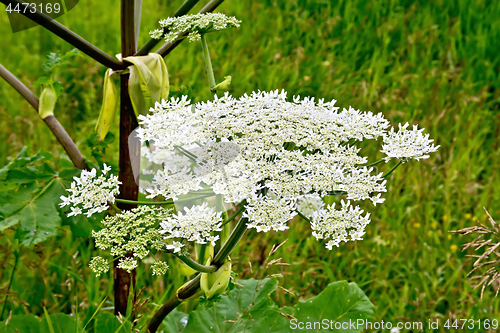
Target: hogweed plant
214	169
268	158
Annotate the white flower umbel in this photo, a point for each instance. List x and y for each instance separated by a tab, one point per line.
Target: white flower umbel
133	231
338	226
176	246
159	268
267	213
90	193
270	152
128	264
99	265
407	144
195	224
194	25
310	204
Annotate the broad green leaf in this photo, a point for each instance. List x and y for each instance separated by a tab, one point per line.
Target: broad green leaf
250	309
21	160
28	174
34	209
21	323
106	322
62	323
30	191
340	302
175	322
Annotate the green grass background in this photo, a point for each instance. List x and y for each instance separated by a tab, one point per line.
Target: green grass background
434	63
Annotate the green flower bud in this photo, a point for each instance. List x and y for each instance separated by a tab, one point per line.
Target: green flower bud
48	100
108	108
224	85
213	284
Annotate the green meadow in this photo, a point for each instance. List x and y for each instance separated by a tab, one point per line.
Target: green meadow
435	63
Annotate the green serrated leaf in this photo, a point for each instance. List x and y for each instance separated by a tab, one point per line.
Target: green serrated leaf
13	202
30	191
28	174
53	60
37	217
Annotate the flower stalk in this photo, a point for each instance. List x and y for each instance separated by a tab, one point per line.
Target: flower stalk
196	266
392	170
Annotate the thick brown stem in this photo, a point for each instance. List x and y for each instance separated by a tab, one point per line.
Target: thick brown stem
129	153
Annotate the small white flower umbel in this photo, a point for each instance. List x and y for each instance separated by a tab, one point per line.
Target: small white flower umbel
90	193
338	226
405	144
193	25
196	224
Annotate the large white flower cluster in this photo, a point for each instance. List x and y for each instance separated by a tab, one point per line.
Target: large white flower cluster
276	157
90	193
194	25
273	153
